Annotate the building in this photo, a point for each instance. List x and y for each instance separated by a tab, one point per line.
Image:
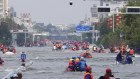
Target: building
3	7
62	26
115	6
12	12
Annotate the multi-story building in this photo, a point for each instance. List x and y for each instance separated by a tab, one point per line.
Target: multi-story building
115	6
3	7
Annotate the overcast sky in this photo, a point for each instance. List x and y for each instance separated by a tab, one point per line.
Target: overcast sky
53	11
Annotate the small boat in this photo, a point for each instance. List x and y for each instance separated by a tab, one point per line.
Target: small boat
9	53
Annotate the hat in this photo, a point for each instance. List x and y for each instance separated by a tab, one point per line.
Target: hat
88	68
73	57
77	60
108	70
79	57
82	58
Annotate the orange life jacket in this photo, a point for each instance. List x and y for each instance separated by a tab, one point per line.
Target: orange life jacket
71	63
77	61
87	73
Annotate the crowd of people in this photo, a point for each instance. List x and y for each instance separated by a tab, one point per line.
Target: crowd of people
86	54
108	74
125	57
57	46
77	64
17	75
5	48
124	54
72	45
96	49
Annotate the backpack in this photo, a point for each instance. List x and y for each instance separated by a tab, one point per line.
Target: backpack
88	76
83	64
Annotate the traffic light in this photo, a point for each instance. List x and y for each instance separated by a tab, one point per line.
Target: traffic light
103	9
133	9
71	3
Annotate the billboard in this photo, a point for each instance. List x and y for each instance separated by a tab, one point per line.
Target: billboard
83	28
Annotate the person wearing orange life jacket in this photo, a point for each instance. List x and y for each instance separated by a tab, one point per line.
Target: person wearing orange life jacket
77	65
71	66
131	52
88	74
86	54
108	74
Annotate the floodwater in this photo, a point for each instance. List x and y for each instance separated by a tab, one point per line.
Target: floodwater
48	64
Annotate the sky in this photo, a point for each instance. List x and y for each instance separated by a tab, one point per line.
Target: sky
53	11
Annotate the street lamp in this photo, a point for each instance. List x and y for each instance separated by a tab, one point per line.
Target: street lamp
25	34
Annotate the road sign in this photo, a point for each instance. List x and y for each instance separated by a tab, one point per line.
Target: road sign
103	9
83	28
133	9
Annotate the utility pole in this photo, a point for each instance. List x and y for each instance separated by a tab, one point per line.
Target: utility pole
81	37
113	22
25	34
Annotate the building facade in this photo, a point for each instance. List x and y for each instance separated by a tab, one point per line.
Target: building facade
115	6
3	7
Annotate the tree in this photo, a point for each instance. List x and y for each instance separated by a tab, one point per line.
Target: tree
129	27
5	35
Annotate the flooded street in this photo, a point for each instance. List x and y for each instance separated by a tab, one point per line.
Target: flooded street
52	64
48	39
